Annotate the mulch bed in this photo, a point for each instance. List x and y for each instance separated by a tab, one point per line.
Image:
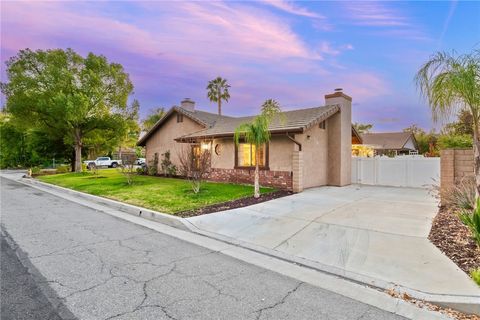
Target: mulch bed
453	238
239	203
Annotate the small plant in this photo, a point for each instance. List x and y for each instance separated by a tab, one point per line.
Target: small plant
459	197
475	274
153	166
195	166
63	169
84	167
35	170
142	170
471	218
127	168
168	168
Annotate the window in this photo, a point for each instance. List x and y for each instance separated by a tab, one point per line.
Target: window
196	152
246	155
179	117
322	125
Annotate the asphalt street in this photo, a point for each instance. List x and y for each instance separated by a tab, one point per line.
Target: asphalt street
66	260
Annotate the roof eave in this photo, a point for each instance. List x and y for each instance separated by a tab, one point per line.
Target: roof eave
142	141
187	139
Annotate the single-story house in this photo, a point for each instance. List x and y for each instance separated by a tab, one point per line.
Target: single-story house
308	148
390	143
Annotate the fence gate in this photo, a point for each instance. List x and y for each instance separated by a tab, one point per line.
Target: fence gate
401	171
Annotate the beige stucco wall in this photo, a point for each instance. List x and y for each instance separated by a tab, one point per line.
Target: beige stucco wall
226	158
339	141
280	153
315	156
163	139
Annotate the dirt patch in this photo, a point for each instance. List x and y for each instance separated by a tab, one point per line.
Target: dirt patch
239	203
453	238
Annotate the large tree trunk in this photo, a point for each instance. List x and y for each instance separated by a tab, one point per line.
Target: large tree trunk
256	193
78	151
476	152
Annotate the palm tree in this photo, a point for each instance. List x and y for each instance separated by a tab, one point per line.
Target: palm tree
218	91
450	83
258	134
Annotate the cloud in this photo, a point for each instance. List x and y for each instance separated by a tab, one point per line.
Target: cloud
289	7
385	20
326	48
373	13
451	12
171	49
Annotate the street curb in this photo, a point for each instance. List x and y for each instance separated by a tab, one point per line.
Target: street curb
363	291
164	218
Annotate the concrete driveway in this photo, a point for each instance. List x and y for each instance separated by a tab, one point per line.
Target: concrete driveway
376	235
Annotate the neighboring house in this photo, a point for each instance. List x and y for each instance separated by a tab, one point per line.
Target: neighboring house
390	143
310	147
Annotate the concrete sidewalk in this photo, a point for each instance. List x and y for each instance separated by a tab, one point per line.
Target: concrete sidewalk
376	235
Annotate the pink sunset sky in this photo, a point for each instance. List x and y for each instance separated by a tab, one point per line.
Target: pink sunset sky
294	52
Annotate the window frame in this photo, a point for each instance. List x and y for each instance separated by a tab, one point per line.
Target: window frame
264	167
179	117
323	125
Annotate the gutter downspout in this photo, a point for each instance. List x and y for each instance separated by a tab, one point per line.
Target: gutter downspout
295	141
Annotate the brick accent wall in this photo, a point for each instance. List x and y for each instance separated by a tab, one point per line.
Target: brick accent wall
297	171
277	179
455	164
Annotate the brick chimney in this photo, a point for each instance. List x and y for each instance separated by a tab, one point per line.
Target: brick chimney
188	104
339	127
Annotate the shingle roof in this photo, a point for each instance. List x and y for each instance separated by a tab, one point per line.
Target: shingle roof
387	140
295	120
206	119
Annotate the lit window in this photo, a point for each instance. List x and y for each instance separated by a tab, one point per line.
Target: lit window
246	155
196	152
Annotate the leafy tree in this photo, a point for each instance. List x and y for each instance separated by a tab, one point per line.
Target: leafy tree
20	147
68	95
450	83
414	129
257	133
362	128
152	118
130	131
454	141
463	125
218	91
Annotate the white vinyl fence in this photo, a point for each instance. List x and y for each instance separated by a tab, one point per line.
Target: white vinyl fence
401	171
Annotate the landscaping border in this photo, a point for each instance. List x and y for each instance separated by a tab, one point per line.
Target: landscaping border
454	239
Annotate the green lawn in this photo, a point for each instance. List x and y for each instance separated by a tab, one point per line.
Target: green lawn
161	194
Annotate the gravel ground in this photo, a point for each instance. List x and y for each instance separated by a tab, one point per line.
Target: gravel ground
453	238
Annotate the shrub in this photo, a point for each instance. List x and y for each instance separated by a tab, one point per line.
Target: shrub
455	141
153	166
35	170
142	170
63	169
168	168
461	196
475	274
471	218
84	167
127	168
195	166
